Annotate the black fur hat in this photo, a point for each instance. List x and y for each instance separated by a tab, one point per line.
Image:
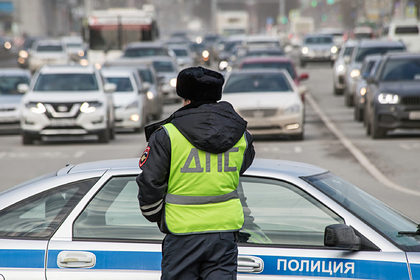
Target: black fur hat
198	83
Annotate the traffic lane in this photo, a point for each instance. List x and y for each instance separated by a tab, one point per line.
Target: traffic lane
395	156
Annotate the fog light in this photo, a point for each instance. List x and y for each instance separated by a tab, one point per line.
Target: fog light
150	95
135	117
292	126
362	100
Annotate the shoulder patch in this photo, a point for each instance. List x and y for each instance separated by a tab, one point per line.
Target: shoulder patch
144	157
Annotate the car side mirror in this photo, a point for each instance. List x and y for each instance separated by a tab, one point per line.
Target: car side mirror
342	237
303	76
23	88
110	88
347	59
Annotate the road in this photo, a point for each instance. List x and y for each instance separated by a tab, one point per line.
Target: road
387	169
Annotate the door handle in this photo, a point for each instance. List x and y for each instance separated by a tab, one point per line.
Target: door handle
76	259
250	264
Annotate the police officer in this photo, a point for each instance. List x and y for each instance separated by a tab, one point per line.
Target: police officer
190	175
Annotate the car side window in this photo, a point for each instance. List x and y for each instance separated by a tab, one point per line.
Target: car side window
114	214
279	213
39	216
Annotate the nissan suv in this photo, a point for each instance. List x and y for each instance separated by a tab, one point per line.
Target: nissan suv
70	100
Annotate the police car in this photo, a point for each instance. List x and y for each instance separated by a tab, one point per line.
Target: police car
301	222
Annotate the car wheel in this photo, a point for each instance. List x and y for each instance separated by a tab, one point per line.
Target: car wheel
377	132
27	139
103	136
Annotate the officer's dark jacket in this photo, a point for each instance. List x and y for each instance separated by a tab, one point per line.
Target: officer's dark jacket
209	126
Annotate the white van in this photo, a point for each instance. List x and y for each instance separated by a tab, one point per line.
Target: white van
407	31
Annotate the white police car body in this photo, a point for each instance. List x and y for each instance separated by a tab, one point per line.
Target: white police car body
84	222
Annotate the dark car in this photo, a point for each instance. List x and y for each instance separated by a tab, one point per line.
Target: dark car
393	99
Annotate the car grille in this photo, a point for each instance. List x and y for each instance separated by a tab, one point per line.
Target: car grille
7	109
410	100
258	113
62	107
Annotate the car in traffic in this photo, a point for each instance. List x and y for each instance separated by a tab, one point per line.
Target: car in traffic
147	49
184	57
67	101
132	110
268	100
363	48
276	62
75	47
340	66
200	54
406	30
167	71
318	48
47	52
368	69
10	97
226	49
300	221
362	32
24	51
262	41
339	35
393	97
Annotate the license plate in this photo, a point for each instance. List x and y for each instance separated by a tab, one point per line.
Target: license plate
414	115
62	122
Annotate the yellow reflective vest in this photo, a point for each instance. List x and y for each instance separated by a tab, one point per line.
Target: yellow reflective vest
202	194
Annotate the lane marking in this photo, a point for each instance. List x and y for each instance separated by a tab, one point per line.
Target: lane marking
357	153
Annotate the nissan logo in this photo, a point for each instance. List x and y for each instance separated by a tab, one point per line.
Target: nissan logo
62	108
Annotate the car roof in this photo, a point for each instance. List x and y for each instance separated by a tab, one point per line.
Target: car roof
262	59
48	42
379	43
50	69
404	55
117	72
350	43
291	168
145	45
14	72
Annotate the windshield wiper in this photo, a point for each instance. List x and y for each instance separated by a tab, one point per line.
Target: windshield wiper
417	232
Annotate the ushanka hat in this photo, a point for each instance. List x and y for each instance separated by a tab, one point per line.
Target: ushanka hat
199	84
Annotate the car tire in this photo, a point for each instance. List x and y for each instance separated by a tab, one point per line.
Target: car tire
358	114
103	136
27	139
377	132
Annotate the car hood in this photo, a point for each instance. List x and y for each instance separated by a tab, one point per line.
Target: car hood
263	100
123	98
320	47
64	96
406	88
7	100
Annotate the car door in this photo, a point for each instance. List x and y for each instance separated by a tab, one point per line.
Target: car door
283	238
106	236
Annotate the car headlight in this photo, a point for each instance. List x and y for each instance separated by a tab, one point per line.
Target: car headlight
362	91
23	54
334	49
89	107
292	109
150	95
388	98
340	68
173	82
132	105
355	73
305	50
205	54
35	107
81	53
223	65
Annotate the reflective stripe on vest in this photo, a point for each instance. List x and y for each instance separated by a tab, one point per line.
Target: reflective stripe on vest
202	193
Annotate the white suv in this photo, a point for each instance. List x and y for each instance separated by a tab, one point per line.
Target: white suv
70	100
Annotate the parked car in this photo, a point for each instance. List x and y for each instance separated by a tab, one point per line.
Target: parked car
408	31
363	48
317	48
393	99
132	110
150	81
368	69
340	66
47	52
268	100
69	100
10	97
300	221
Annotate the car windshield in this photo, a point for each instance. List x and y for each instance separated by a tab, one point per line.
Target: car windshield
253	82
401	70
66	82
365	51
407	30
163	66
123	83
318	40
145	52
9	84
373	212
180	52
271	65
49	48
146	75
265	53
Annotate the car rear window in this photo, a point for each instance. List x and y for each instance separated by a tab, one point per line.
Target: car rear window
66	82
49	48
123	83
163	66
252	82
365	51
271	65
401	70
180	52
407	29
